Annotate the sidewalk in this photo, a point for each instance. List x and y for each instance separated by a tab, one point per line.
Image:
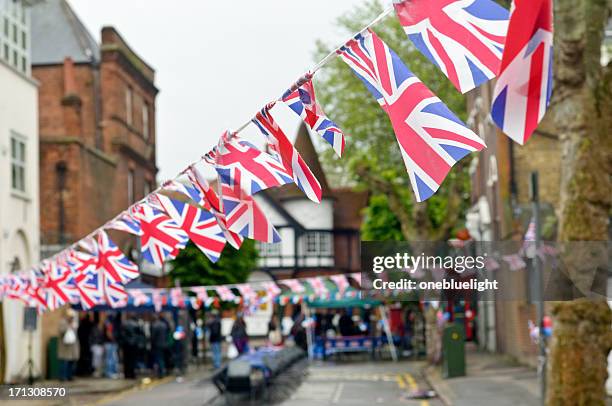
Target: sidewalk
87	391
491	379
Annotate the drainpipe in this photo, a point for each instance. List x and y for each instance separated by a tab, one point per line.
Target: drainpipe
61	170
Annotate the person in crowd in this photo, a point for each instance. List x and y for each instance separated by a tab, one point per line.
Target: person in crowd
239	334
345	324
68	346
129	338
83	333
96	341
159	342
299	333
141	345
275	336
215	338
111	356
179	337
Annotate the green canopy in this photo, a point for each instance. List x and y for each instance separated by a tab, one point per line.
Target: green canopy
344	302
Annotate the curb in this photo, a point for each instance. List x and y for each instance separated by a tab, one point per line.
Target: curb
435	385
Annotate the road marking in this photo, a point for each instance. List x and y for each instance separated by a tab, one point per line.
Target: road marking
411	381
338	393
400	382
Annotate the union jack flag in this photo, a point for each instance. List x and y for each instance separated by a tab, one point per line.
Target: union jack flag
125	222
114	293
244	216
524	86
210	201
286	152
200	226
293	284
161	238
114	266
303	102
318	286
248	294
514	261
258	170
341	282
35	290
139	298
431	138
225	294
58	287
272	290
464	38
159	299
176	297
16	287
207	196
201	293
89	289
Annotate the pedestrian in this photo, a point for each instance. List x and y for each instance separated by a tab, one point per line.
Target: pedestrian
83	367
298	332
239	334
179	336
159	341
111	356
275	336
96	341
68	346
129	346
215	338
345	324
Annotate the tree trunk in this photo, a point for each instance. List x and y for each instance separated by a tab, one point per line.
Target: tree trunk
582	112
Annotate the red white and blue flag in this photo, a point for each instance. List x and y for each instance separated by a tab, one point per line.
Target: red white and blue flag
125	222
303	102
35	290
464	38
209	199
113	264
139	298
244	216
225	294
523	88
161	238
258	170
58	287
84	266
283	148
431	138
114	293
200	226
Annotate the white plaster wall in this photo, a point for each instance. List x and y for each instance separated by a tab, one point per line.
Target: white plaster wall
19	213
310	214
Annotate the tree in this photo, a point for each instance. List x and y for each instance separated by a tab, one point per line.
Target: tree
582	113
373	159
192	268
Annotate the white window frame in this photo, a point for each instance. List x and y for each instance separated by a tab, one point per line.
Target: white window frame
269	250
19	162
14	24
317	243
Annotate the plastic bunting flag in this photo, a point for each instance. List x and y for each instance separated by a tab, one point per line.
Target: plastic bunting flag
463	38
301	99
431	138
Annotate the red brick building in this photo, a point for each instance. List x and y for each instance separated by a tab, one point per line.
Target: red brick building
97	124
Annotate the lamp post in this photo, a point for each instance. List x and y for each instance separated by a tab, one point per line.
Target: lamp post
539	289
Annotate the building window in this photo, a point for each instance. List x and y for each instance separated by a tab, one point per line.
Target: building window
18	164
267	250
130	186
145	121
318	244
128	105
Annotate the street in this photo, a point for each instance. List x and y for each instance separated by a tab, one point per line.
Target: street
346	383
